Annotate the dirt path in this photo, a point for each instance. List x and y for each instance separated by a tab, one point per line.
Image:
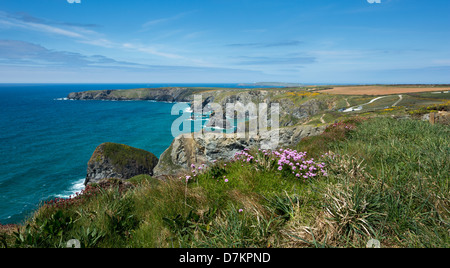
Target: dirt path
321	119
400	99
360	107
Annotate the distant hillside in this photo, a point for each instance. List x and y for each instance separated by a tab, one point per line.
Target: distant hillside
272	84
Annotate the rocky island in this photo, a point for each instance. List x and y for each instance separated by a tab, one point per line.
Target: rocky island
119	161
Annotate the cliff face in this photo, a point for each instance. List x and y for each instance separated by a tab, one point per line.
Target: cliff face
111	160
157	94
186	150
291	112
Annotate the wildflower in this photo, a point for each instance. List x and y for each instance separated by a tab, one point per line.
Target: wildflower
241	210
226	180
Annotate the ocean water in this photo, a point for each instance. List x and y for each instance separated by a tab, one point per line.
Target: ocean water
47	140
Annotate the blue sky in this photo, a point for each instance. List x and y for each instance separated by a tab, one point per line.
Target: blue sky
224	41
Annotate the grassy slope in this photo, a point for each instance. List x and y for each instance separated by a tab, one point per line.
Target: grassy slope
389	179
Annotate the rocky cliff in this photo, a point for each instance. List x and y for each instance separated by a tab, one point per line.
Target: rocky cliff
156	94
187	149
111	160
292	110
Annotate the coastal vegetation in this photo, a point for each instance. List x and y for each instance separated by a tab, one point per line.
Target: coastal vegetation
377	173
380	178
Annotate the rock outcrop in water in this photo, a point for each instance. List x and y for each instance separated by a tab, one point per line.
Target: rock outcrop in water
112	160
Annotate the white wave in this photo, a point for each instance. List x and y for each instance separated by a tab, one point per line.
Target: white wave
61	99
76	187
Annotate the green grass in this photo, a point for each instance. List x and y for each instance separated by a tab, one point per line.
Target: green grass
387	179
408	163
123	156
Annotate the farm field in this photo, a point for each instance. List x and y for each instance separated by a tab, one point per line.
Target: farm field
383	90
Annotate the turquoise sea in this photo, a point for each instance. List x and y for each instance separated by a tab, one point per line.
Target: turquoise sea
47	140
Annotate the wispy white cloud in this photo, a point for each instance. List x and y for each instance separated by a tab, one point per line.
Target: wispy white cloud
268	44
297	60
99	42
24	16
13	52
442	62
17	53
27	62
10	21
159	21
84	35
151	50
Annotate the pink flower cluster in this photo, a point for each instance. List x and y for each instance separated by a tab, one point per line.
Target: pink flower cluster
195	171
287	161
343	125
296	162
243	156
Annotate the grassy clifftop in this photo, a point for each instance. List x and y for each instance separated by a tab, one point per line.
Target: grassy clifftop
121	154
373	178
